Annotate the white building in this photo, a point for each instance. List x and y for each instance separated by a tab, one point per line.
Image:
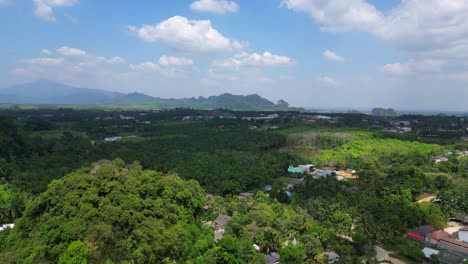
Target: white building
463	234
428	252
112	139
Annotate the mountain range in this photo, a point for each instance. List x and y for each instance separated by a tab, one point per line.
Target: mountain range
54	93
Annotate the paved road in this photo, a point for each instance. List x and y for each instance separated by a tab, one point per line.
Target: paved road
384	255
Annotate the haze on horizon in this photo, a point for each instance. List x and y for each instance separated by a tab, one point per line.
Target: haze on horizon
407	54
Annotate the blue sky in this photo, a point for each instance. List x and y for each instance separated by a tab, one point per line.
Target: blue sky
312	53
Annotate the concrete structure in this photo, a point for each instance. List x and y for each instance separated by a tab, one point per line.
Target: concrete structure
333	257
323	174
463	234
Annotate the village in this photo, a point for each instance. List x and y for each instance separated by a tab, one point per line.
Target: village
449	245
299	175
443	246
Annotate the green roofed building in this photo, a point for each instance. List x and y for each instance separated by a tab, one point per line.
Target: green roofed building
293	169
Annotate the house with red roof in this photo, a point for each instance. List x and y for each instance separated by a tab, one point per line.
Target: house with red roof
434	237
413	235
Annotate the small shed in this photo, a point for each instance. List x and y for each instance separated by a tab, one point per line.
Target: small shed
332	257
246	195
221	221
293	169
428	252
462	217
463	234
272	258
219	225
424	230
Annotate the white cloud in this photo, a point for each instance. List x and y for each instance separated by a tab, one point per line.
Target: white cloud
17	71
167	66
430	28
145	66
71	52
171	72
396	69
46	51
45	61
215	6
116	60
331	56
75	61
187	35
339	15
168	60
255	59
459	76
411	67
328	80
44	8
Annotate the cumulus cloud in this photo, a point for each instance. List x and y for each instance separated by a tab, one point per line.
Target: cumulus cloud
255	59
338	15
44	8
328	80
71	61
187	35
167	66
396	69
145	66
46	51
45	61
168	60
331	56
71	52
426	28
411	67
215	6
114	60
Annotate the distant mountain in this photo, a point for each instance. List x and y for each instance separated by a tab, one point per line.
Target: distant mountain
252	102
53	93
384	112
50	92
133	99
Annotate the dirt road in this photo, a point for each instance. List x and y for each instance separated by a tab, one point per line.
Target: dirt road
427	199
384	255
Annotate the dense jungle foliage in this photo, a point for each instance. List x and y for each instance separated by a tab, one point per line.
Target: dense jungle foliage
150	196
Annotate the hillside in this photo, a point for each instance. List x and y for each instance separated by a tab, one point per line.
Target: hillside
384	112
50	92
111	213
252	102
53	93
